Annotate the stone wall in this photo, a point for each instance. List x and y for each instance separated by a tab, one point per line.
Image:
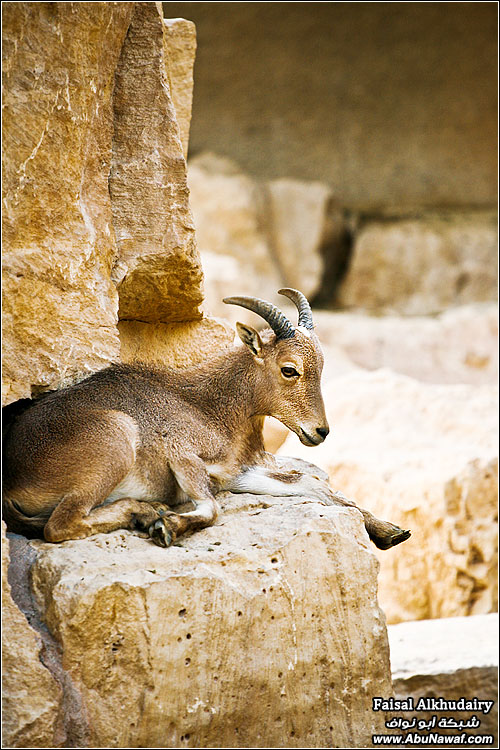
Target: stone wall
96	222
455	658
393	105
250	633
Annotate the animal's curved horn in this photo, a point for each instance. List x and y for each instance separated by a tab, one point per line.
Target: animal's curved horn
272	314
302	305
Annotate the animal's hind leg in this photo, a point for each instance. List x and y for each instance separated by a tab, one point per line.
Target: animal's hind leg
121	514
83	512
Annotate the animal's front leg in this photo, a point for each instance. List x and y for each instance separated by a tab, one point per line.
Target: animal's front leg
192	477
272	479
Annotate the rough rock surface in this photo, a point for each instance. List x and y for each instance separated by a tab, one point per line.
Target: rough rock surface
454	658
89	95
59	303
174	344
163	645
417	267
257	237
424	457
158	274
458	346
180	50
30	695
294	214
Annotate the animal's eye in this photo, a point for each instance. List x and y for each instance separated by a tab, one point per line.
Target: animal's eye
289	372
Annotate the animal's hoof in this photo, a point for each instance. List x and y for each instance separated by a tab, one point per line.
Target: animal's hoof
391	540
160	533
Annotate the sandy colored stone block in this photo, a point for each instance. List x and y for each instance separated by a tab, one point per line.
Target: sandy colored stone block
30	694
48	344
255	237
424	457
295	214
453	658
186	645
232	243
418	267
394	106
457	346
180	50
58	242
159	274
174	344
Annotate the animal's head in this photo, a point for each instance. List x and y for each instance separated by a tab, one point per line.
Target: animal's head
289	362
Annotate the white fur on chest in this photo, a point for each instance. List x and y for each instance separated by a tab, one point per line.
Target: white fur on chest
257	481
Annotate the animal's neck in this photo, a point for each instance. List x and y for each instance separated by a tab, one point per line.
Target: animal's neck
227	386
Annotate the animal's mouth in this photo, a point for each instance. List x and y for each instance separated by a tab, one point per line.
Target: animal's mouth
307	439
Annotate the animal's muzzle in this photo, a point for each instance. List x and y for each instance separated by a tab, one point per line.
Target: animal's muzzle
313	438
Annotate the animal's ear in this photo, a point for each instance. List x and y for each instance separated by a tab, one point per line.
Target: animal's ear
250	338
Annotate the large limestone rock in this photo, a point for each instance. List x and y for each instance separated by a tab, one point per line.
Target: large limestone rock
458	346
180	50
159	273
189	645
422	266
59	303
295	218
234	248
257	237
96	117
31	696
424	457
455	658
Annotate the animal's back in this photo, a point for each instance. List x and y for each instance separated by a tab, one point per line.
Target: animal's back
61	438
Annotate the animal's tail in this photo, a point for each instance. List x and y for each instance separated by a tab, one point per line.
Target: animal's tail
19	523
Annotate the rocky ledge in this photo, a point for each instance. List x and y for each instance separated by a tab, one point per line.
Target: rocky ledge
261	631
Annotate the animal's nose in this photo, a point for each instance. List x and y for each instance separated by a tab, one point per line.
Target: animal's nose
322	432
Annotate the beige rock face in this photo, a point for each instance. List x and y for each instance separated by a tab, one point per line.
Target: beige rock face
234	248
458	346
31	697
175	344
189	645
455	657
424	457
254	237
68	128
295	214
180	50
60	306
417	267
158	274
